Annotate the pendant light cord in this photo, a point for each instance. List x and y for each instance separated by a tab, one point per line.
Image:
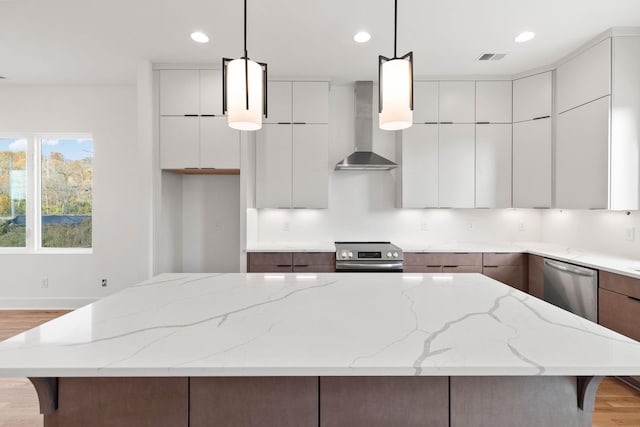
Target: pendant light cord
246	57
395	31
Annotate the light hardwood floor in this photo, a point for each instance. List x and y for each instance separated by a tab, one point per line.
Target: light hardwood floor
616	404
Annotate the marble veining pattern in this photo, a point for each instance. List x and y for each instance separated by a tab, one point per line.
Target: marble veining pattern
319	324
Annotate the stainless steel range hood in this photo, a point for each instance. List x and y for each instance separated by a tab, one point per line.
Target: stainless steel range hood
364	159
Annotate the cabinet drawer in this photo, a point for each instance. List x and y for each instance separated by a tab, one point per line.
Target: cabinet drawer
620	313
621	284
269	268
314	268
421	269
270	258
494	259
314	258
462	269
507	274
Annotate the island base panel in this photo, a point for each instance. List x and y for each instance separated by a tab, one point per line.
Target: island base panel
254	401
531	401
102	402
384	401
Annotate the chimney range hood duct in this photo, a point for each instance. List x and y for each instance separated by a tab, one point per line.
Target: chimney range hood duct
364	159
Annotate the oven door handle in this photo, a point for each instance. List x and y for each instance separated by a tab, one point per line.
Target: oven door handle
368	266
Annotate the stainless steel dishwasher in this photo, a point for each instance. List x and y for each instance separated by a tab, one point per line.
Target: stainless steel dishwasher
571	287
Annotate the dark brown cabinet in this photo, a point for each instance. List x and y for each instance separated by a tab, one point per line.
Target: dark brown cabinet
536	276
461	262
287	262
508	268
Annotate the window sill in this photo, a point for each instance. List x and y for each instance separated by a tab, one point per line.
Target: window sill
46	251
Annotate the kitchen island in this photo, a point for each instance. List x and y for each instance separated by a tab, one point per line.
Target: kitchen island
332	349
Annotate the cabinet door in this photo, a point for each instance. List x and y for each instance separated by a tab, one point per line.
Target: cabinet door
179	92
584	78
582	156
456	164
311	102
619	312
420	166
219	144
456	102
211	92
536	276
273	166
310	182
507	274
278	102
532	164
493	101
269	262
425	102
493	166
532	97
179	142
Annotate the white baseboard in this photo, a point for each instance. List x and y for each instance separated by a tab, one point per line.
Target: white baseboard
44	303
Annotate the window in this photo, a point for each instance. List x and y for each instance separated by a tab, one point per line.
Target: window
46	192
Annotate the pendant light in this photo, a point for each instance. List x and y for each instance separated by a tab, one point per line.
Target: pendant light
244	89
395	87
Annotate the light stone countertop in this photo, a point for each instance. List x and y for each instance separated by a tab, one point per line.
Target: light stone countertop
319	325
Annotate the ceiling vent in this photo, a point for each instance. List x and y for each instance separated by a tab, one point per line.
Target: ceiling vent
491	56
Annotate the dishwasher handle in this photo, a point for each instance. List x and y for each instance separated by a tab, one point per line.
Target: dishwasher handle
570	269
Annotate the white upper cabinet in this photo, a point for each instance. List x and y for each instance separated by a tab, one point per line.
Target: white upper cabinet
179	92
456	166
179	142
532	97
493	165
211	92
219	144
493	101
273	166
279	100
582	156
310	173
310	102
456	102
584	78
532	164
425	102
420	166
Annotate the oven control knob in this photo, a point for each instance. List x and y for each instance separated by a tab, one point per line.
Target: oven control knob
388	254
395	254
343	254
350	254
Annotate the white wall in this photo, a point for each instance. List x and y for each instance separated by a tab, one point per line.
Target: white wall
121	249
362	204
593	230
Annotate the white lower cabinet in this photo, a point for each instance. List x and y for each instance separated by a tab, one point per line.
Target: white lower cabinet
292	169
582	156
493	166
532	164
420	166
456	166
179	142
219	144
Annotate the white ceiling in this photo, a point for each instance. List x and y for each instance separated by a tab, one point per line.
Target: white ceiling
90	41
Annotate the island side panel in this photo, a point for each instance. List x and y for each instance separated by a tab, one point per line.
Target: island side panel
526	401
102	402
254	401
384	401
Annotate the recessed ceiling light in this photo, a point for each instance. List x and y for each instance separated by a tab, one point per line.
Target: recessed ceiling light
525	36
362	37
199	37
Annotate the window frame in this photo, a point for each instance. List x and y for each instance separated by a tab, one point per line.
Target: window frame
33	189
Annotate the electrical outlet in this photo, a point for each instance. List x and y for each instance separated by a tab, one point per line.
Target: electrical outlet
521	226
470	225
286	226
424	226
45	282
104	283
630	234
218	226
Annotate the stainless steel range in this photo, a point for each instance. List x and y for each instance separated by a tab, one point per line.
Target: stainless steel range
368	256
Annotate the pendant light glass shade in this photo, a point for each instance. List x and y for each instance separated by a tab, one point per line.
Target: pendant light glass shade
238	115
395	86
395	90
244	89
